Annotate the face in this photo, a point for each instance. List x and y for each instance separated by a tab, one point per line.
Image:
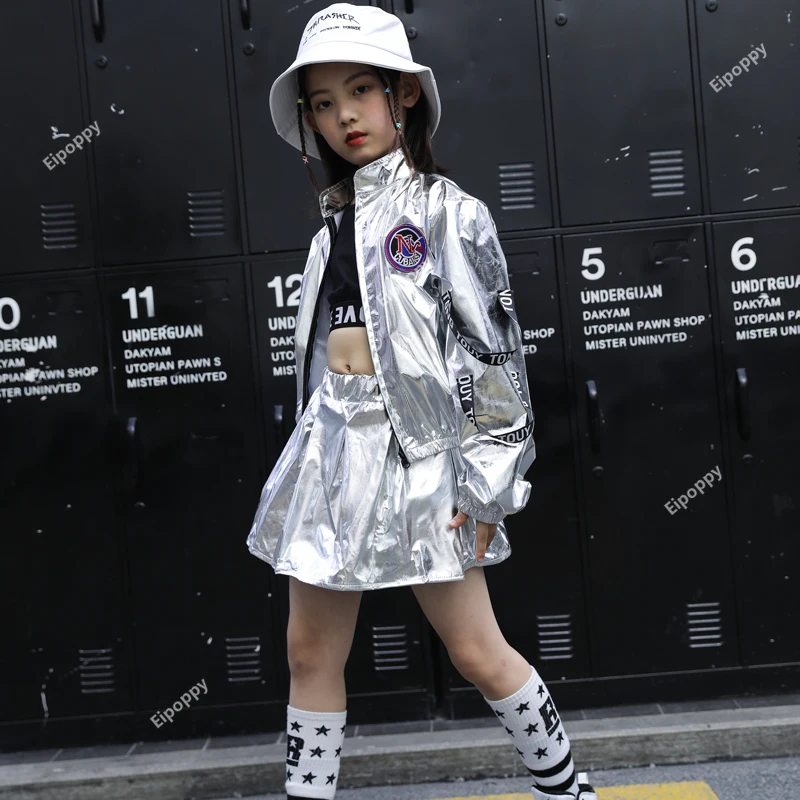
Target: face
347	97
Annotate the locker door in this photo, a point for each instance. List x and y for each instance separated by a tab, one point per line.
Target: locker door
166	178
759	291
620	79
65	631
276	294
184	389
47	204
547	530
282	206
750	108
538	592
387	674
660	573
491	104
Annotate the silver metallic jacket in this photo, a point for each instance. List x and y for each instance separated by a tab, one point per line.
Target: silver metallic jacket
441	325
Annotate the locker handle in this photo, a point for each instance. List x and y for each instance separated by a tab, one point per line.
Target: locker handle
132	438
277	425
594	414
98	24
244	12
743	403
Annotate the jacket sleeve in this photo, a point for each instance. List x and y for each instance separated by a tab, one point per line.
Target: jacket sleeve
483	347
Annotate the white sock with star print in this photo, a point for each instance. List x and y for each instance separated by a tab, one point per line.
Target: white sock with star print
314	741
535	729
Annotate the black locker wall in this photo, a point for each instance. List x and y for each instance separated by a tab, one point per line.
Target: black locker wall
625	137
66	650
649	216
759	294
645	441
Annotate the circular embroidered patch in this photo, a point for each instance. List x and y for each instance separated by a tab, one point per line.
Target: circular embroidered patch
406	248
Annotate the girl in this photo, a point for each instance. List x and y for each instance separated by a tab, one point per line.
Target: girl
414	428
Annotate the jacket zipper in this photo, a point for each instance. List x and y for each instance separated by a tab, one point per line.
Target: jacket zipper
310	344
334	233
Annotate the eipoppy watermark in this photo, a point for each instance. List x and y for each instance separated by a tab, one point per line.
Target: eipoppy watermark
168	713
751	59
85	136
699	486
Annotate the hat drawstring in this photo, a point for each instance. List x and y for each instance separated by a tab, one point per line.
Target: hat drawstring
303	143
395	115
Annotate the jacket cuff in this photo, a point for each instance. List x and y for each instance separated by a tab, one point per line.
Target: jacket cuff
491	513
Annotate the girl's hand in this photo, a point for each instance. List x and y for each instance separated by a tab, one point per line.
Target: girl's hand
486	532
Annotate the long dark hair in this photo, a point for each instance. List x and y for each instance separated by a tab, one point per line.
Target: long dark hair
415	140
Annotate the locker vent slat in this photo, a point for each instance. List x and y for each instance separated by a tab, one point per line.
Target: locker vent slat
390	648
517	186
704	623
667	173
206	213
242	658
96	671
555	637
59	226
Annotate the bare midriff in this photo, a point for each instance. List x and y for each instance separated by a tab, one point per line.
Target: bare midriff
348	351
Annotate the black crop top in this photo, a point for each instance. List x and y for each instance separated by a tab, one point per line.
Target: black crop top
345	295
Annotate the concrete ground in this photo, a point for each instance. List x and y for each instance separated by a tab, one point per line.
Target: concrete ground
767	779
455	762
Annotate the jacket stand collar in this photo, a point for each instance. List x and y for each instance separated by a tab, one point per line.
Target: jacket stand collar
373	176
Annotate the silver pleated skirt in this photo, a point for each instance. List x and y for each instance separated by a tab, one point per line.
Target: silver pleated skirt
340	511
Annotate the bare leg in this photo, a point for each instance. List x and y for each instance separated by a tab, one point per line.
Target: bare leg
461	613
318	638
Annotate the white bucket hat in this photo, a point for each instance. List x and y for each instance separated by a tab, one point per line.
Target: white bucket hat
344	32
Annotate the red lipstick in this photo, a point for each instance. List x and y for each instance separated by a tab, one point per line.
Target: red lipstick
355	138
